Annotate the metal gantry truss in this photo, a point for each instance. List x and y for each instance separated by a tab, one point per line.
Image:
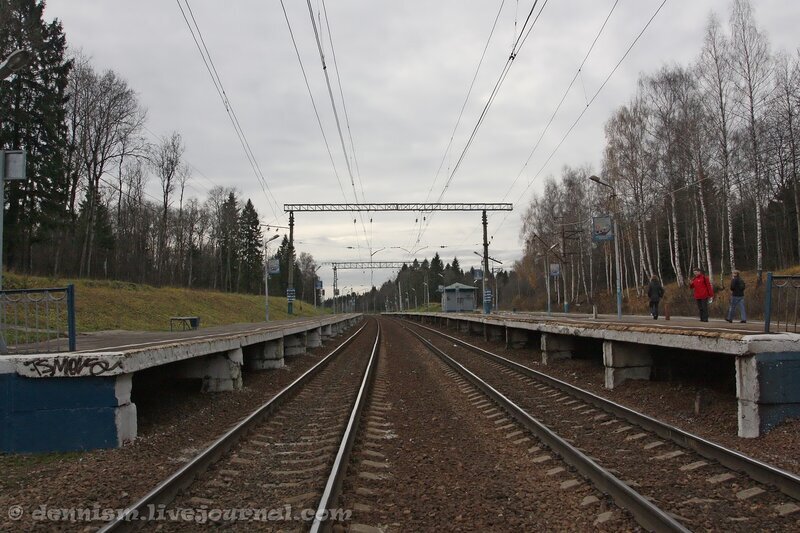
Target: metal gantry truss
364	265
359	265
422	207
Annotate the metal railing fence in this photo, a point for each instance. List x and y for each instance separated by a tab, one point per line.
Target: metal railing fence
37	320
781	303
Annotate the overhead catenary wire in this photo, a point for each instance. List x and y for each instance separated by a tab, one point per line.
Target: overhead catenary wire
466	99
314	103
588	105
212	71
563	98
335	112
575	122
525	32
344	104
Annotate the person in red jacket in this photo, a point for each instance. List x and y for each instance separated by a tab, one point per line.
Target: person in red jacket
703	292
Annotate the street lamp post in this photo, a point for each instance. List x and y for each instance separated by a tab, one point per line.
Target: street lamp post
266	276
616	243
13	63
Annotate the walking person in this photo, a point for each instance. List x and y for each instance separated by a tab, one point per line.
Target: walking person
703	292
737	298
655	291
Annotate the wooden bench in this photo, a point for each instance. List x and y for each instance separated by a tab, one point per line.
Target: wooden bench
185	322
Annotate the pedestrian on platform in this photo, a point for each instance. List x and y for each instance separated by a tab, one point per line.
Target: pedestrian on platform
703	292
737	298
655	291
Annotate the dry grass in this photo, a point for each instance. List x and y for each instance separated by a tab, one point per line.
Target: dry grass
110	305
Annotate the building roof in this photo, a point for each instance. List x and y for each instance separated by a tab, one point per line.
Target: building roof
459	287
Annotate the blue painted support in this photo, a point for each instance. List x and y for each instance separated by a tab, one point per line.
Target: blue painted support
768	391
71	317
65	414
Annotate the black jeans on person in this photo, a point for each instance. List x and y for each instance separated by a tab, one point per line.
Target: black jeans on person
702	306
654	309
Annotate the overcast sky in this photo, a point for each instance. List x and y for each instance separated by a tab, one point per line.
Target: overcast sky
405	71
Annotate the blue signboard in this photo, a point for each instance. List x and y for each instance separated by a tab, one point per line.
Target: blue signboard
602	228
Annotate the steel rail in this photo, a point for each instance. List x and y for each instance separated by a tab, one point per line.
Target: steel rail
334	485
784	481
132	517
644	512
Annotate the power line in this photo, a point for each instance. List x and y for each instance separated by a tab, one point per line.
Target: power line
314	104
525	32
212	71
335	111
588	104
466	99
344	104
563	98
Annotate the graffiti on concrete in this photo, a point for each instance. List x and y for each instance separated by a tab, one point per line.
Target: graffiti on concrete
72	366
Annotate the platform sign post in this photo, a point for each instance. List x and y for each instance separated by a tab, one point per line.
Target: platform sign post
602	228
12	168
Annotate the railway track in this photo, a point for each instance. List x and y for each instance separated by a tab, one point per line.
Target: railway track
667	478
282	466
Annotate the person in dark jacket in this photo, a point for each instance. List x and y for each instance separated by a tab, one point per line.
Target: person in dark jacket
655	291
703	292
737	297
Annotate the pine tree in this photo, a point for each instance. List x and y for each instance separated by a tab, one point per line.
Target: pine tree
33	107
228	245
251	266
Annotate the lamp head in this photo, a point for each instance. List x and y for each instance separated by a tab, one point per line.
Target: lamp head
14	62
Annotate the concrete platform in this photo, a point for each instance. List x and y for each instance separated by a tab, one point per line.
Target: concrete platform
767	365
82	400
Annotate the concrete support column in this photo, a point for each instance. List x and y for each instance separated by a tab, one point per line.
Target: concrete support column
264	356
624	361
555	347
492	333
314	338
65	414
462	326
768	391
220	372
516	339
326	332
294	344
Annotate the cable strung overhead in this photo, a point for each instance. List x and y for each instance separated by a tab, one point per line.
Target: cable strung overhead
335	113
215	78
589	103
525	32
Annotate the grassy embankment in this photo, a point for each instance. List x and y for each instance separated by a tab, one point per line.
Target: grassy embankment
111	305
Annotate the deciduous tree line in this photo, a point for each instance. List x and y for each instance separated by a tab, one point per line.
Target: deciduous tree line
84	210
702	164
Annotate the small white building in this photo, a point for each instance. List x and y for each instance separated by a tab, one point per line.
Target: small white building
458	297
